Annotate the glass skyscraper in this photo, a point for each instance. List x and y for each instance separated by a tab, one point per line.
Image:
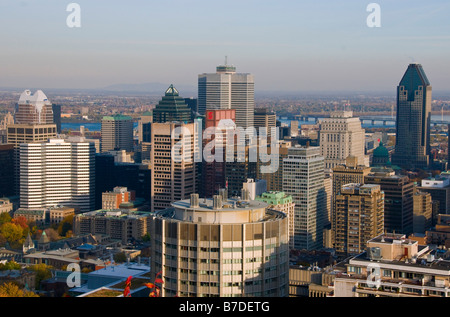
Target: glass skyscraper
412	146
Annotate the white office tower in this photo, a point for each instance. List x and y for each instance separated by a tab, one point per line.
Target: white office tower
227	89
33	108
57	173
303	179
341	136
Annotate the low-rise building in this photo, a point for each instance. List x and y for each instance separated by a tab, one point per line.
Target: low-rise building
120	224
57	214
5	205
36	215
394	266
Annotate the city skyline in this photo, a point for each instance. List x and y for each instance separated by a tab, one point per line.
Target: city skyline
288	45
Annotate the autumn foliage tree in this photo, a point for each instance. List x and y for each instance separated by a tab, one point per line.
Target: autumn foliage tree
13	290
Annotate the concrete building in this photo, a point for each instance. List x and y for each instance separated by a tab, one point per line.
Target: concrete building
35	215
5	205
439	189
119	224
263	118
440	233
275	180
412	143
221	248
113	199
359	217
254	187
59	213
422	219
227	89
57	173
172	179
394	266
341	136
117	133
303	179
281	202
398	199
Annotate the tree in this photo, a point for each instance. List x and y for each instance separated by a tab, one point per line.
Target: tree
146	237
11	265
120	257
4	218
43	272
52	234
12	290
65	226
20	221
13	234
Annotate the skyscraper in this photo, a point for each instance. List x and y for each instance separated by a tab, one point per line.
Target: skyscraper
34	108
303	179
57	172
341	136
412	144
172	108
227	89
172	180
398	199
117	133
360	217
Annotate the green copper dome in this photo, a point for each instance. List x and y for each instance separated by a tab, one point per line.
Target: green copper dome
381	151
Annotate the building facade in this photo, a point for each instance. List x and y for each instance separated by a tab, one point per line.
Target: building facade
117	133
303	179
227	89
221	248
57	173
359	217
341	136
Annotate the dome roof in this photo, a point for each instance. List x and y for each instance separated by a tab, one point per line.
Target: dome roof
381	151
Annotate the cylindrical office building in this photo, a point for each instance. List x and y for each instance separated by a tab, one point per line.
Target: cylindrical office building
221	247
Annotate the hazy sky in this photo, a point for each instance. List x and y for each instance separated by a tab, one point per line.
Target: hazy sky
294	45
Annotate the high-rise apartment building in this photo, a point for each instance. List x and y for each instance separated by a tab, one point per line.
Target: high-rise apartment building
412	143
227	89
359	217
303	179
341	136
57	173
117	133
398	199
422	219
221	247
172	108
173	178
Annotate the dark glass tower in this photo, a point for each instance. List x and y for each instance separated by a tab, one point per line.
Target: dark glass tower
172	108
412	147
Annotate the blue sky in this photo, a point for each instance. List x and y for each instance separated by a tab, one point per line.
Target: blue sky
290	45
